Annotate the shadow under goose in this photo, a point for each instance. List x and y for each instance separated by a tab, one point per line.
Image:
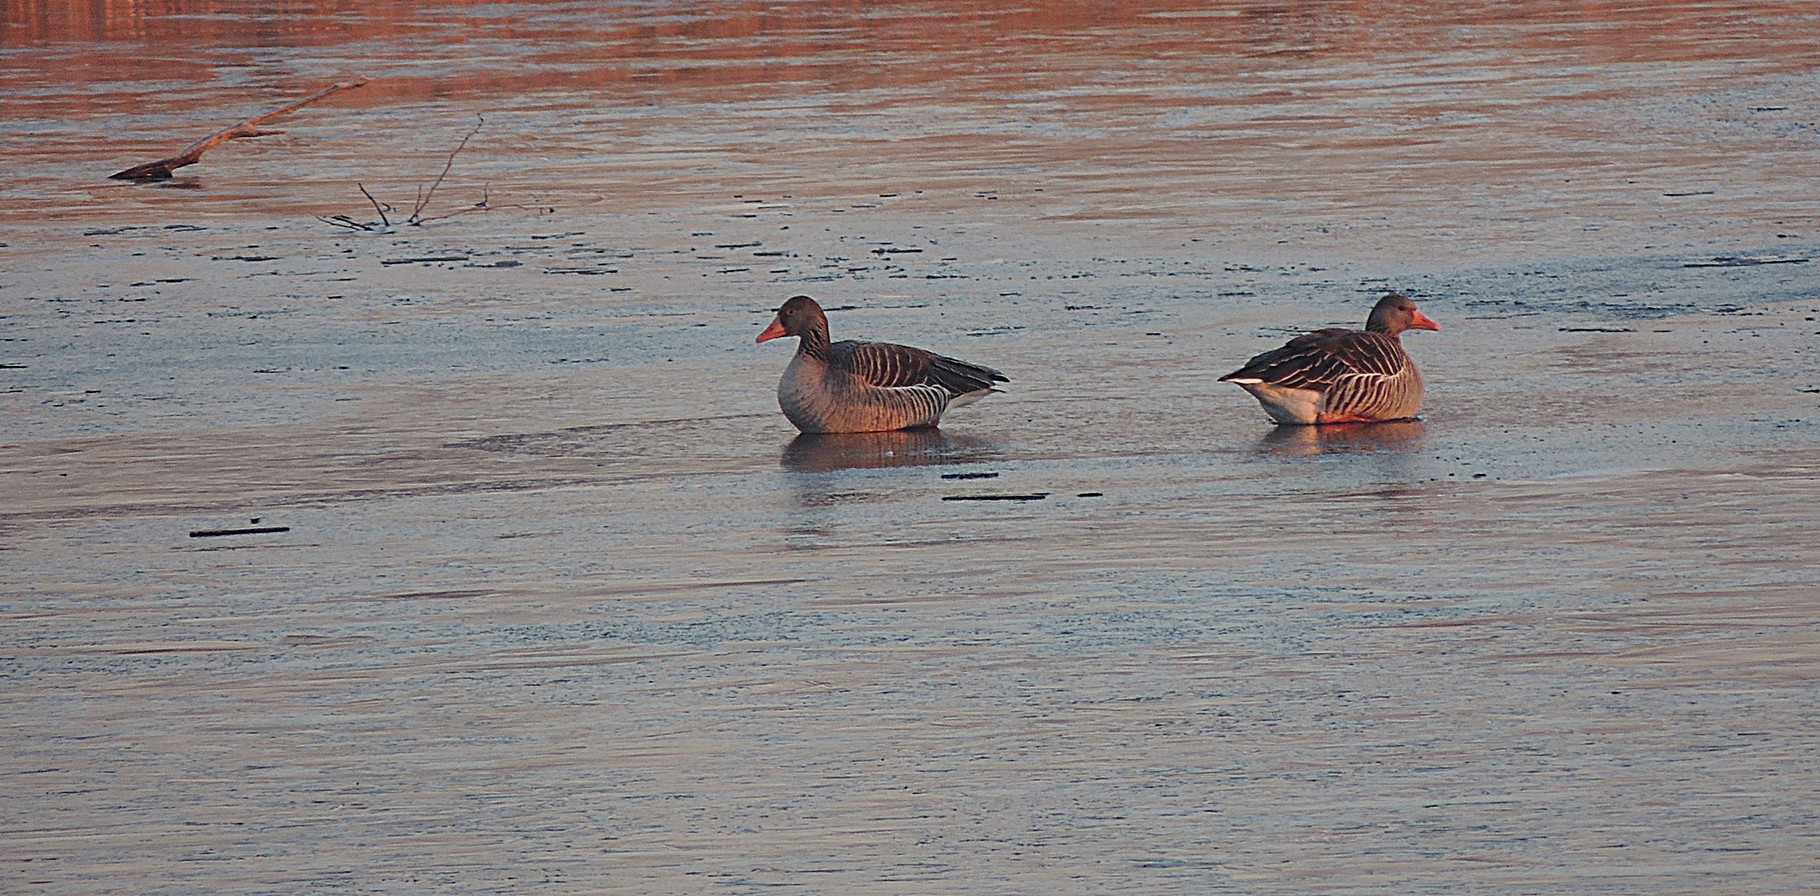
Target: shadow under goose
823	452
1340	438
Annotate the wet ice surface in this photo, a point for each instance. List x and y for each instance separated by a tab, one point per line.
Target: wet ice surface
565	605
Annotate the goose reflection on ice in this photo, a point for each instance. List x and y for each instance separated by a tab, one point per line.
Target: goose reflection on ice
1342	438
824	452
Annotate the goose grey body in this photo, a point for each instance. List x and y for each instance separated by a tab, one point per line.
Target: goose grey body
1338	375
852	386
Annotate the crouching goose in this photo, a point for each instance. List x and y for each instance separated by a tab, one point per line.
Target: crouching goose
1338	375
851	386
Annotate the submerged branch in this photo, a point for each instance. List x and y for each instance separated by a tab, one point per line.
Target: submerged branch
161	169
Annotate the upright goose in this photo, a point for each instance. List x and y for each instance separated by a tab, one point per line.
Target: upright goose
1338	375
851	386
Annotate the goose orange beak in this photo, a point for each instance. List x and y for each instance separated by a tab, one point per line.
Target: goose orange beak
774	331
1420	321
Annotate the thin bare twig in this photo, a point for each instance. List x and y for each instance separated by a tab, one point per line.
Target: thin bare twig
484	207
161	169
376	206
417	217
423	198
344	221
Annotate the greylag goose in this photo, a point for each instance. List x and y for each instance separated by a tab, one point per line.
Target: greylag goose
1338	375
853	386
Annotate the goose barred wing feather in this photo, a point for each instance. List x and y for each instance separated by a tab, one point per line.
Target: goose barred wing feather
1371	354
961	377
1320	360
884	364
888	365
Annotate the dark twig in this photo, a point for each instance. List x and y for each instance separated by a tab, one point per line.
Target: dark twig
424	194
484	207
161	169
243	530
423	197
343	221
376	206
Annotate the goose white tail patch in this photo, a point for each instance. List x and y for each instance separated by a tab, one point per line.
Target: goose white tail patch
1288	405
967	398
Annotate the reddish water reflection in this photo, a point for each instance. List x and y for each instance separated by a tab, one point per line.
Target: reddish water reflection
1412	121
492	50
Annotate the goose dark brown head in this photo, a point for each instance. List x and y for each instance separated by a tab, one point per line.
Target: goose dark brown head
799	317
1395	313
